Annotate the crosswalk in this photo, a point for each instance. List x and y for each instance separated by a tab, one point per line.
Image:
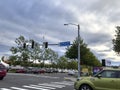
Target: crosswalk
42	86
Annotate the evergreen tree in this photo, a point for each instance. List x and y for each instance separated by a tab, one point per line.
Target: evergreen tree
86	56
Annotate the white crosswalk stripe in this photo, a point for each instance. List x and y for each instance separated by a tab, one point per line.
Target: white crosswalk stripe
38	88
68	82
16	88
4	89
52	85
42	86
62	83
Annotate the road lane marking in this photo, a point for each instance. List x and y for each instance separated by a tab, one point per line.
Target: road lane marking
46	87
68	82
62	83
16	88
34	87
4	89
52	85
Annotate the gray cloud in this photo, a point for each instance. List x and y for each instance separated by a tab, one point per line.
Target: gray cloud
97	38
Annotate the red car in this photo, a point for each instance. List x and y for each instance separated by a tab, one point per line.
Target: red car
3	71
20	71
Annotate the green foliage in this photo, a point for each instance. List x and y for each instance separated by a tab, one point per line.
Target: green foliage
62	62
72	51
86	56
23	55
65	63
49	54
72	64
116	41
12	60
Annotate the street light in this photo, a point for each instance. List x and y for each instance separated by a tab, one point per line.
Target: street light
78	26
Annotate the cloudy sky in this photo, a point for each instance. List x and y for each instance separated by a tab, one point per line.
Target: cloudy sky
36	19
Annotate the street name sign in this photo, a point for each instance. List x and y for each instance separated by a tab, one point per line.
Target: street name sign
67	43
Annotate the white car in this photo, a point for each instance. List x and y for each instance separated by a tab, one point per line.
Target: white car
71	72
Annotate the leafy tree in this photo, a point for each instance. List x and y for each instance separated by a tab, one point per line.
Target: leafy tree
34	53
12	60
91	60
62	62
25	54
86	56
116	41
19	51
23	51
49	54
72	64
72	51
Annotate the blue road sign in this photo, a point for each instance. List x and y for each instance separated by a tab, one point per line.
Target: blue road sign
67	43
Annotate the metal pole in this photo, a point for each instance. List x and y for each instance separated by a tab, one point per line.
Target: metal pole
79	39
78	51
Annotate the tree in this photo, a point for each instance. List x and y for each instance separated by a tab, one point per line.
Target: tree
12	60
49	54
62	62
86	56
35	52
72	64
72	51
91	60
20	52
116	41
23	50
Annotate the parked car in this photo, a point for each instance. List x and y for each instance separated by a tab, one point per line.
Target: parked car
49	70
38	70
107	79
3	71
20	71
71	72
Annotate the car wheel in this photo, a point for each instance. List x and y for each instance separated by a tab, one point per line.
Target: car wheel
85	87
1	78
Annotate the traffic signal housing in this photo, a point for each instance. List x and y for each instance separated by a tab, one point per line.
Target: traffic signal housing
24	45
32	46
103	62
46	44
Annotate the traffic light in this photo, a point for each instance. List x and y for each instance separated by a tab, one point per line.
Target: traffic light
24	45
103	62
32	46
46	44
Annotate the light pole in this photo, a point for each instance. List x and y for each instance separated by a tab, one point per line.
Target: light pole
78	26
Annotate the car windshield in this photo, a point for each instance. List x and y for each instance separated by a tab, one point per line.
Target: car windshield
97	73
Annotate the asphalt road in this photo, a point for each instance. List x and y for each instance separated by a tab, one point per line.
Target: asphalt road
16	81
